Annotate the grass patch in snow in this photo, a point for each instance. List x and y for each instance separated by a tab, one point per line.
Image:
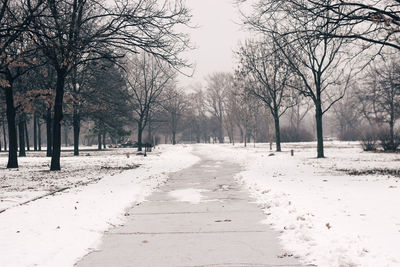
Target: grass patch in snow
376	171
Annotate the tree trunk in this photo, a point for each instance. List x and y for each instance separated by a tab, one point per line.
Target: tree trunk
245	138
58	116
34	132
174	138
233	136
49	134
241	134
104	140
229	135
198	137
21	132
391	130
150	134
277	134
65	135
320	137
39	135
139	136
12	129
112	140
4	136
76	124
90	141
99	141
220	134
28	147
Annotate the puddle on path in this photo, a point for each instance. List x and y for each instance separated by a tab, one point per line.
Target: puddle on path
190	195
206	166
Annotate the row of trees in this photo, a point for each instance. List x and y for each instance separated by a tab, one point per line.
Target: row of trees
138	93
64	43
306	55
317	50
335	57
222	109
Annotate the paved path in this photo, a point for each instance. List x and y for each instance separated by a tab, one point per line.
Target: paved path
224	229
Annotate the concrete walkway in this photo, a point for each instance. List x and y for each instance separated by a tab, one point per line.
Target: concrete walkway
224	229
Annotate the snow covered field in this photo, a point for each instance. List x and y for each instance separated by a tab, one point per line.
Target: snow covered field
57	230
325	215
339	211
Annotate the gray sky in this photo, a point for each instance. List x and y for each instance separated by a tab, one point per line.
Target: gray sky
216	37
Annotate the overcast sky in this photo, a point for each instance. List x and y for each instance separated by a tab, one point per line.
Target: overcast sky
216	37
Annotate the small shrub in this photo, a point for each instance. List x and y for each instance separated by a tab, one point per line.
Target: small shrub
291	134
386	141
369	139
349	135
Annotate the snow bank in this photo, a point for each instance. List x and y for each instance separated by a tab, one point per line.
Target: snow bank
58	230
325	216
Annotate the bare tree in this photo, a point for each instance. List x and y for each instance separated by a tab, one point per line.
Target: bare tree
260	115
348	117
77	86
380	97
198	111
231	110
175	104
299	112
218	85
246	105
147	79
272	75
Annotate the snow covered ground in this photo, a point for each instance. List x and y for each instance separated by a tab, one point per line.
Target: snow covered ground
57	230
339	211
325	215
33	177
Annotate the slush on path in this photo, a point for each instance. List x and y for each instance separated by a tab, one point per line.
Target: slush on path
200	217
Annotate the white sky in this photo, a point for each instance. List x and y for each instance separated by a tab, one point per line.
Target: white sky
215	38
